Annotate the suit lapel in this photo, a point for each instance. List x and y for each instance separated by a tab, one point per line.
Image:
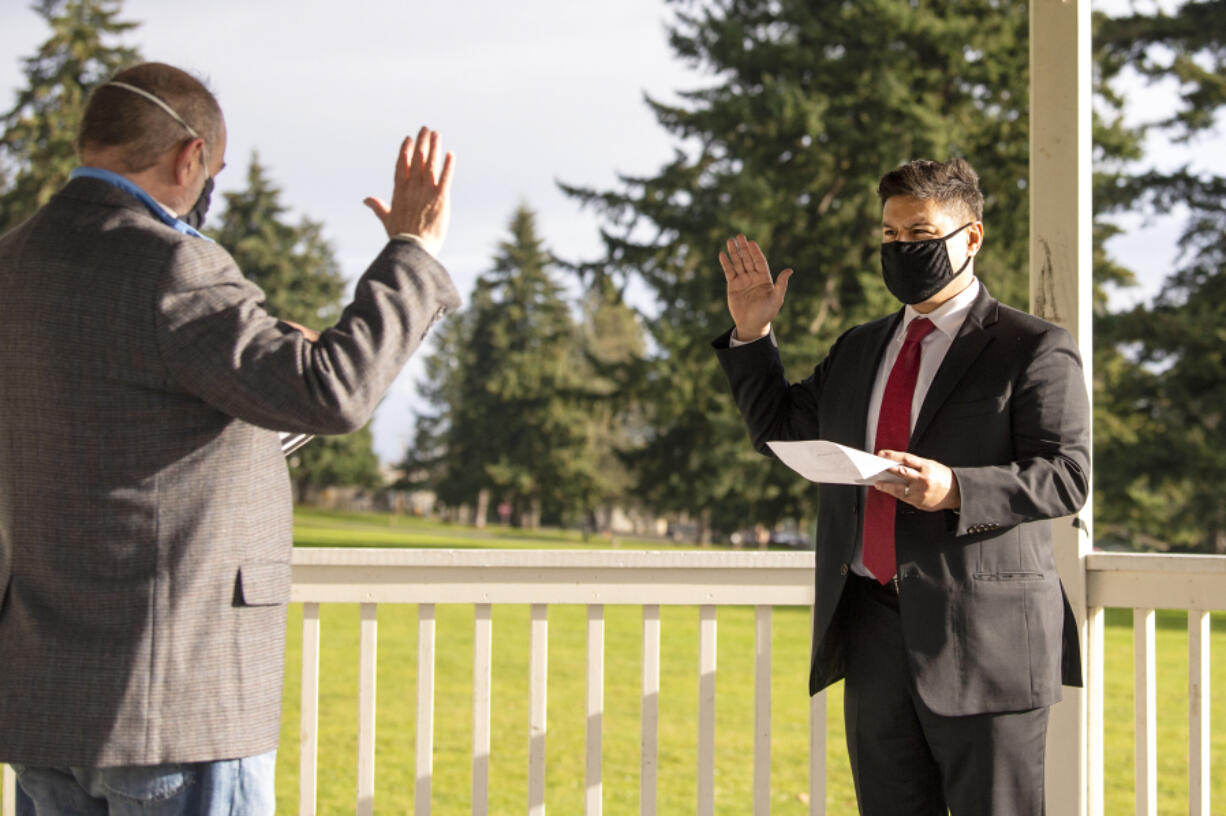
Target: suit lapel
971	340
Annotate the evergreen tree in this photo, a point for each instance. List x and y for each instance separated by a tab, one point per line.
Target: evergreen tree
37	147
301	279
293	264
808	104
1160	368
612	341
509	419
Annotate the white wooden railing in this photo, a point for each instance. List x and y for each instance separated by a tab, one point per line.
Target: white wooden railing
538	579
707	580
1145	583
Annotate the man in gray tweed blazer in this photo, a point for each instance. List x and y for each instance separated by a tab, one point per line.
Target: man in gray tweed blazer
145	511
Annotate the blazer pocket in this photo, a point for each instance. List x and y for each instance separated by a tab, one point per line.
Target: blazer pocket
263	583
1018	575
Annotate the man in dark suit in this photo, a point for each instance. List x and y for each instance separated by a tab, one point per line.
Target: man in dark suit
145	512
937	596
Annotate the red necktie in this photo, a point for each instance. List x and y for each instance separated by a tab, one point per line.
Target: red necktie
893	433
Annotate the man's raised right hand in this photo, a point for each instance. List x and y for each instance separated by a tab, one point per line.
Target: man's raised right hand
753	298
421	192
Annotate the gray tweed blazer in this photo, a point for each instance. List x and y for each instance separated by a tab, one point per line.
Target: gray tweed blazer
145	513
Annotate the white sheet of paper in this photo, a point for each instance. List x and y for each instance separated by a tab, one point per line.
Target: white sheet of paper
831	463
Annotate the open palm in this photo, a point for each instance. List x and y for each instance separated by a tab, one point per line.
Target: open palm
753	297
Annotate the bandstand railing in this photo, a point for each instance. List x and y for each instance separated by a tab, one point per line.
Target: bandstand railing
707	580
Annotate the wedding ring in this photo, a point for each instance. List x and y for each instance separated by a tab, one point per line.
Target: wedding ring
906	491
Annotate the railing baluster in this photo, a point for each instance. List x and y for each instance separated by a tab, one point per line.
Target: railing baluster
425	709
367	666
1198	712
762	712
1145	702
706	710
8	806
483	641
595	706
1095	698
308	732
817	748
649	750
538	650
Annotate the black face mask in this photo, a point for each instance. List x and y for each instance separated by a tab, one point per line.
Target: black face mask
916	270
195	217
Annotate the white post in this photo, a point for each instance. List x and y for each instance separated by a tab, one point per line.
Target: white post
308	741
483	662
538	683
368	662
1060	291
8	801
424	775
650	753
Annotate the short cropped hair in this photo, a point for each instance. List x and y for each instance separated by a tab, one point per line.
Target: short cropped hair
117	117
948	182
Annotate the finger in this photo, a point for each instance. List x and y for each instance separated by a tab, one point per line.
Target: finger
734	255
402	161
912	461
378	207
729	271
432	154
758	260
782	283
891	488
742	249
896	456
419	153
444	180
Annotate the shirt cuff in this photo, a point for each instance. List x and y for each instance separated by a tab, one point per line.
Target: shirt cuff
734	342
413	239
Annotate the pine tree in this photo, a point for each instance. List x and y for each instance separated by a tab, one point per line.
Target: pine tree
807	105
297	270
1160	367
37	147
293	264
509	419
612	340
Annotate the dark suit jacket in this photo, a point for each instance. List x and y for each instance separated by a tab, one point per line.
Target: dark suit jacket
145	515
984	616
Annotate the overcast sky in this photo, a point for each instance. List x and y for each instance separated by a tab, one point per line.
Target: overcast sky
524	93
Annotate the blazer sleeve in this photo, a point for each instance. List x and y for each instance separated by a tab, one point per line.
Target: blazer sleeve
1049	420
219	343
773	408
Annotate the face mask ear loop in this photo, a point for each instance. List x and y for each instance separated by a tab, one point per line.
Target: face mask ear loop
967	262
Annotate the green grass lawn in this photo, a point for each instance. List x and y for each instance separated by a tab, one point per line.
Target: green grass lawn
396	698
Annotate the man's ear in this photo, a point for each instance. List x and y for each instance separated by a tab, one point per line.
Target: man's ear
186	158
975	236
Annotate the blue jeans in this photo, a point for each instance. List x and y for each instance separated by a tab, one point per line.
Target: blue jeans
233	787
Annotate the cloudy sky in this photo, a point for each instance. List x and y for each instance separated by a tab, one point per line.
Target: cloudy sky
525	93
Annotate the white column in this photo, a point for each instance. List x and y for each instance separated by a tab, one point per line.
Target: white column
1060	291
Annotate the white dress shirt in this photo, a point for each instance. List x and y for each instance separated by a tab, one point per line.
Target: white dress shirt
948	319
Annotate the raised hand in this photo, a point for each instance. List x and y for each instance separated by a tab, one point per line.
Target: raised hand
421	192
753	298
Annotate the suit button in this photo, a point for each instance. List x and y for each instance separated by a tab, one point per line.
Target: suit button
842	569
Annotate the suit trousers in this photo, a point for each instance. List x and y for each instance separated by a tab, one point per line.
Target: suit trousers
907	760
